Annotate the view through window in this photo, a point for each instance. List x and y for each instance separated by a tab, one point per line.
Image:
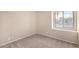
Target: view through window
64	20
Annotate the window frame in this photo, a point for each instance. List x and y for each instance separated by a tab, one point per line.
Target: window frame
65	28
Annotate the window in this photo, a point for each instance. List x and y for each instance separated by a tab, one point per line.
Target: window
64	20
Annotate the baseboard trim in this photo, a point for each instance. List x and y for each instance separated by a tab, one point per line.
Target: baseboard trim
8	42
56	38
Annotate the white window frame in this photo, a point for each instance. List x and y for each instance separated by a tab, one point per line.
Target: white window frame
63	28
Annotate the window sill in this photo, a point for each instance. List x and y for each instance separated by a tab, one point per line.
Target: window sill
64	30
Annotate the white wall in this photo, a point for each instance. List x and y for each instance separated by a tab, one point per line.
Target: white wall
16	25
45	28
78	26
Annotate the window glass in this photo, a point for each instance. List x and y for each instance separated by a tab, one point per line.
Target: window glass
64	20
68	19
59	18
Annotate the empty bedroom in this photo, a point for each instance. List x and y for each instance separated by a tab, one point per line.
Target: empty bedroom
39	29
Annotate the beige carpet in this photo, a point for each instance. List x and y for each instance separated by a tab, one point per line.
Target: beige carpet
39	41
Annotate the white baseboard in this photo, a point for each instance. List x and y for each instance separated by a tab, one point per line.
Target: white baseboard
10	41
56	38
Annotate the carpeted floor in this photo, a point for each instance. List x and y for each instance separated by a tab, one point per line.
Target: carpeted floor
39	41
